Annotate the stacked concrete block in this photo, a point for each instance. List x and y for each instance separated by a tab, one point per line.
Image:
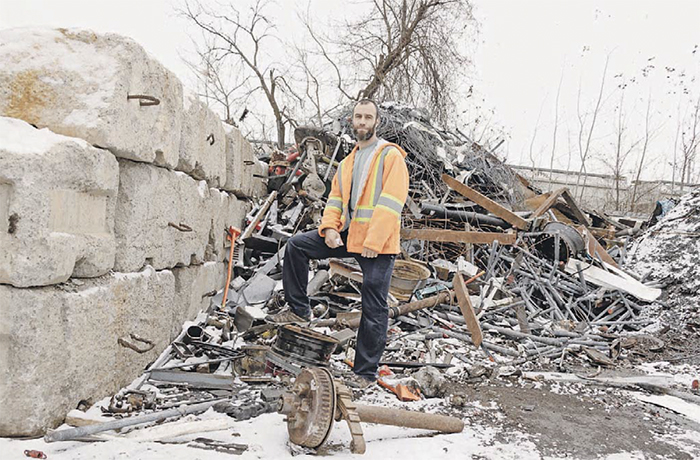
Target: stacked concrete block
228	211
244	173
69	209
202	143
57	199
102	88
194	286
163	218
59	345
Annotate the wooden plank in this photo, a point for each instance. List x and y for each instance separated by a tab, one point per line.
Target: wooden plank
258	217
486	203
548	203
465	306
575	209
607	233
457	236
594	248
612	281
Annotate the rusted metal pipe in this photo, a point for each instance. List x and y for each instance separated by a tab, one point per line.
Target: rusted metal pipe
409	419
443	297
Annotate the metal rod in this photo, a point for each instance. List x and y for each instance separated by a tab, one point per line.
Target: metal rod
72	433
409	419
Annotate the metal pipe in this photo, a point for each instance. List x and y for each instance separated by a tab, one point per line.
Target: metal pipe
463	216
487	345
409	419
73	433
443	297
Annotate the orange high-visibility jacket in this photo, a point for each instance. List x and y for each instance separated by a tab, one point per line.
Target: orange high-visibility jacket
376	219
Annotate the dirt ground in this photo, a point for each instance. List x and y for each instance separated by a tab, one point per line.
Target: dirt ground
570	420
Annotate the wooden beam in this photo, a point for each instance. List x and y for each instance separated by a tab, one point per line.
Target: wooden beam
548	203
486	203
457	236
594	248
465	306
575	209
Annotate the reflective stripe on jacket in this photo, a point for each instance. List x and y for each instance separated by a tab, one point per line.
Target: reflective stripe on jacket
376	220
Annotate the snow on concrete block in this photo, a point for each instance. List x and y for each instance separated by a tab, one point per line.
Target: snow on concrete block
243	171
202	143
229	211
163	218
194	286
57	199
81	84
60	345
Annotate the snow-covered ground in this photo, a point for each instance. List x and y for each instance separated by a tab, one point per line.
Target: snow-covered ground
266	437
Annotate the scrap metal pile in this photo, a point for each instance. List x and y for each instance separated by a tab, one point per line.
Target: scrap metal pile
492	274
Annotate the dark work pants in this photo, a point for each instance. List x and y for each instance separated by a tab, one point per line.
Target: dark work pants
376	272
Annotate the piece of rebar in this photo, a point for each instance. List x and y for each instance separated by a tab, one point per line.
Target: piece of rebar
522	335
335	152
72	433
487	345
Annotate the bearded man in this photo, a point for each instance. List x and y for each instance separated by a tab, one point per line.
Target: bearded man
362	219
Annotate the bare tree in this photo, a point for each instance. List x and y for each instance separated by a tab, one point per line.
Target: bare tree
534	136
243	38
622	150
556	126
584	152
690	139
649	134
675	149
408	51
219	82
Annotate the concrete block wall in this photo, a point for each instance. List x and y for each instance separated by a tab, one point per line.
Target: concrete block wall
113	212
58	196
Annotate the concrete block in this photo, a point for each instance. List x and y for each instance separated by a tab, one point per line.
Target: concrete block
193	285
57	199
202	143
243	171
163	218
228	211
78	83
59	344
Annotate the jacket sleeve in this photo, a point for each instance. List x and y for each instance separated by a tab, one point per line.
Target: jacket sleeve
333	209
386	218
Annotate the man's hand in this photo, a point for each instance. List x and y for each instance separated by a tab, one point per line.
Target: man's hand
366	252
333	239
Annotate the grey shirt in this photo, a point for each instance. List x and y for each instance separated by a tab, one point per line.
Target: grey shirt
362	156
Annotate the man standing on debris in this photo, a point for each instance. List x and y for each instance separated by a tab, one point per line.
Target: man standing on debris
362	219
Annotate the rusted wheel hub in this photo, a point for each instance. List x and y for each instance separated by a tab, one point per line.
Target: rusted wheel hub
310	408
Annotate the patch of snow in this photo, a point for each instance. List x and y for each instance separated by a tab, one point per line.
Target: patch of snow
685	408
145	273
18	136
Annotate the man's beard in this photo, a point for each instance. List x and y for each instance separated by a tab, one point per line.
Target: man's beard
366	136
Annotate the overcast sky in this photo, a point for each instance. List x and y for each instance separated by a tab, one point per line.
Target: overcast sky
524	48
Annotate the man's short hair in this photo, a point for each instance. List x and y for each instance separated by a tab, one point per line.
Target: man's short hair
367	100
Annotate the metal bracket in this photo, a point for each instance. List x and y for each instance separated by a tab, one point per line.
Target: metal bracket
348	412
144	100
211	139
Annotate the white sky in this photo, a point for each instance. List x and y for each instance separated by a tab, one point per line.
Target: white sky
523	48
